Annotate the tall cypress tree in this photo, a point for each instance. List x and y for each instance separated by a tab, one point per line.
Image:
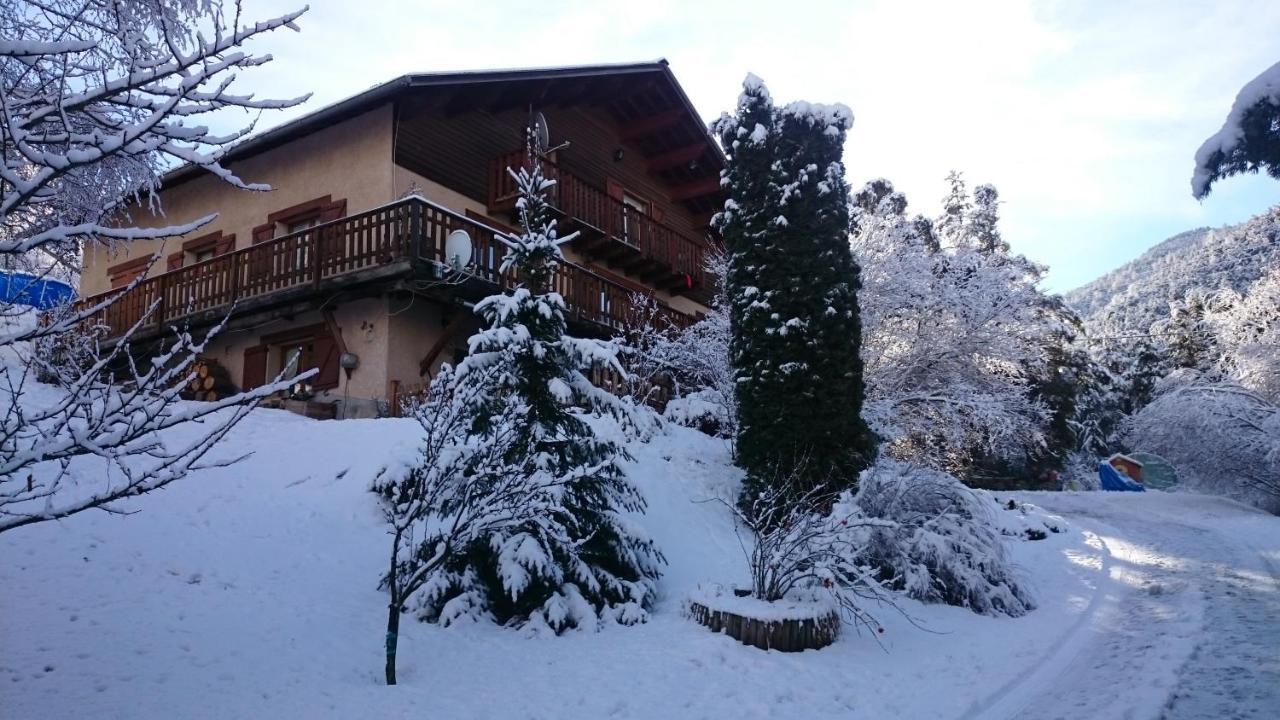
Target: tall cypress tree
792	289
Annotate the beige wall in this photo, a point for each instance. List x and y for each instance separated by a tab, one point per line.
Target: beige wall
404	179
351	160
389	335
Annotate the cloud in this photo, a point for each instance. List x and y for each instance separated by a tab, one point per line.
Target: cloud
1084	114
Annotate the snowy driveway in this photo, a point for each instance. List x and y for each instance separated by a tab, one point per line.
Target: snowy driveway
1187	626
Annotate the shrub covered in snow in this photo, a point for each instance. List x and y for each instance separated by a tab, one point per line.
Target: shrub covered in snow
691	364
940	542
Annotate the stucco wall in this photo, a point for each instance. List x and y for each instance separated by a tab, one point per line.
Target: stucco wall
351	160
365	328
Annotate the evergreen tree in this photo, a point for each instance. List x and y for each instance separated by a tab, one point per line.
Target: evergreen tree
983	220
577	559
1249	140
1187	332
792	288
951	227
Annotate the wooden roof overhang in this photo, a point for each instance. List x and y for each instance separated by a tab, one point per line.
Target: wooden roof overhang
652	112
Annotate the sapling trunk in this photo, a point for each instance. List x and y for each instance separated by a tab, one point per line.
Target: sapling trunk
393	639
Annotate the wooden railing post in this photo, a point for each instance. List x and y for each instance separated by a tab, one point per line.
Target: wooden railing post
233	287
163	286
415	229
315	253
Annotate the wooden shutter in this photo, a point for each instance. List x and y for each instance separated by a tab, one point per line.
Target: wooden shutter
263	233
657	213
326	359
334	210
225	244
175	261
255	367
614	189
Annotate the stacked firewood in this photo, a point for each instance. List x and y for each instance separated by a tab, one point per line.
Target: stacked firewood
210	381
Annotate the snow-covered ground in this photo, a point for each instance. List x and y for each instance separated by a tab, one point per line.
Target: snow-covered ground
250	591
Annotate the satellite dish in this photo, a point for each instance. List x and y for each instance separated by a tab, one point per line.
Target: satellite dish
541	132
457	249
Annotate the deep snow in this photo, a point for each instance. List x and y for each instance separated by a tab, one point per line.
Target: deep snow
250	591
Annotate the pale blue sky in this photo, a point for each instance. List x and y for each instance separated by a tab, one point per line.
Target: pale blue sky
1085	115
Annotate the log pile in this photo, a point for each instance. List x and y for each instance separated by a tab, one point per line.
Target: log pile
209	382
783	635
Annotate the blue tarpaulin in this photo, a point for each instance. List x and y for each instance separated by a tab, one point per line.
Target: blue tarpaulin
23	289
1114	480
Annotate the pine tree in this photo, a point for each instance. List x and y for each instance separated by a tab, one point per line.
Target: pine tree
792	288
578	559
1187	332
1249	140
983	221
951	227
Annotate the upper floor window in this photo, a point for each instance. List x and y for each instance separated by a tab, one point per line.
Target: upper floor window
634	207
297	224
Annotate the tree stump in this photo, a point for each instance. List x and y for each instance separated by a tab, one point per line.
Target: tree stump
816	629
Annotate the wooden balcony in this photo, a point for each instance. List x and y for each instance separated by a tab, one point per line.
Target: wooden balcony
402	240
610	230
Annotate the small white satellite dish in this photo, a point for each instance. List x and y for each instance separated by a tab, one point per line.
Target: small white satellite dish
541	132
457	249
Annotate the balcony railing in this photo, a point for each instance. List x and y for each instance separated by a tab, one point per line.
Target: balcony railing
405	232
676	255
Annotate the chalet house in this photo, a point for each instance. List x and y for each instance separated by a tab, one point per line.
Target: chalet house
343	264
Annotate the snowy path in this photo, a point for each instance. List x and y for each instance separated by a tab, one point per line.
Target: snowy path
1185	627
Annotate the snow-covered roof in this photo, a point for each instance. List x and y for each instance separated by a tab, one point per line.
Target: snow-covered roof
1126	458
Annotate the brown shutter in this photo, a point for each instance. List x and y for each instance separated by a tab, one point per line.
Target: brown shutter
225	244
255	367
614	188
326	358
263	233
658	213
175	261
334	210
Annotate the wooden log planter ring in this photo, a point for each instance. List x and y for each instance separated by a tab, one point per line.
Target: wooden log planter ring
813	627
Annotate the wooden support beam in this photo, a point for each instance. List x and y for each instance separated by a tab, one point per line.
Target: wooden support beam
679	157
649	125
446	337
696	188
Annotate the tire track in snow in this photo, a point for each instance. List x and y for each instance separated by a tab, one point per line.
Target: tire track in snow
1015	694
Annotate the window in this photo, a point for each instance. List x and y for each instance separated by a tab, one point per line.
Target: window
297	357
199	249
293	352
293	225
633	207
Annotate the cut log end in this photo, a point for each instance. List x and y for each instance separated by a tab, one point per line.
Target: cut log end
782	635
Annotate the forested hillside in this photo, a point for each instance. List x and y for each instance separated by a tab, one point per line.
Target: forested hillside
1138	293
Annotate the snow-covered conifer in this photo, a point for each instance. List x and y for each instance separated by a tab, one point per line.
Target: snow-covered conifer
984	218
577	560
792	288
952	225
1249	140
